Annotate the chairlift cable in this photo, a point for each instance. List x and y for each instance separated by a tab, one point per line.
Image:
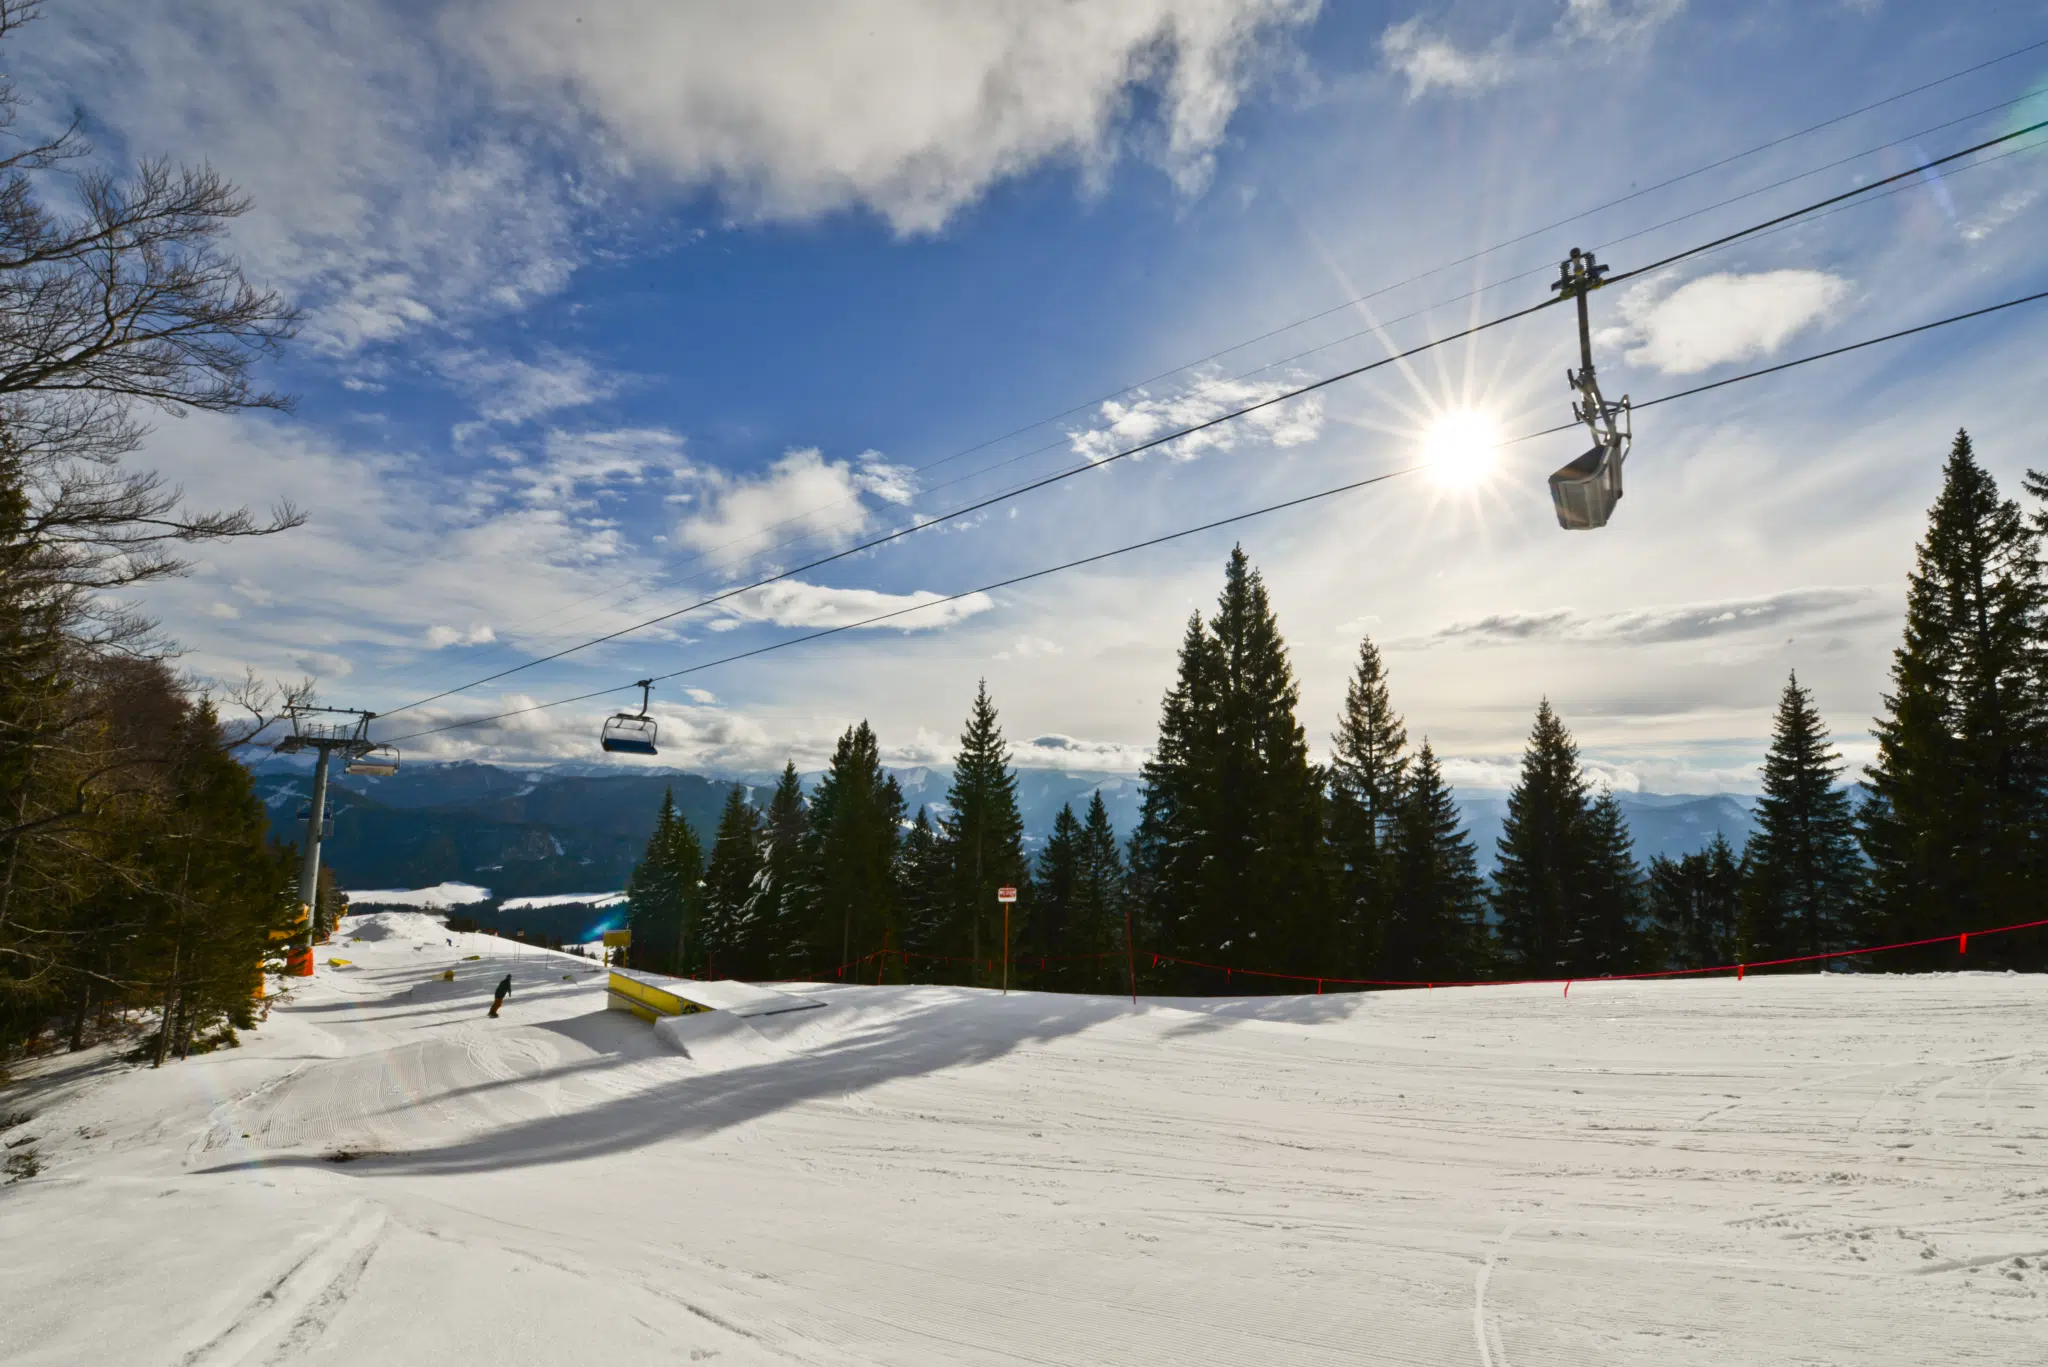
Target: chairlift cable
1282	506
1234	414
1829	202
1436	270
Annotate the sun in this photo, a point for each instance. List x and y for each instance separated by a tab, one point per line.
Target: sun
1460	446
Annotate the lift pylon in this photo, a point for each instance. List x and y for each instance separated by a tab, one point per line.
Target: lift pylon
348	734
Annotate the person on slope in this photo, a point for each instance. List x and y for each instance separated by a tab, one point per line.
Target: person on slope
504	991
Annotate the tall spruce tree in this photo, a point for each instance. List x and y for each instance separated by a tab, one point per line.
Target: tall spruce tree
1100	921
1436	901
1802	873
1955	813
1695	907
985	833
1604	933
1232	831
654	894
855	813
783	891
1056	890
924	888
1368	775
732	940
1181	809
1545	878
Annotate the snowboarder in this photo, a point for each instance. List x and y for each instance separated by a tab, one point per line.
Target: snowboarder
504	991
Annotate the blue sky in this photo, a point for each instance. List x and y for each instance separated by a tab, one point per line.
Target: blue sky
609	310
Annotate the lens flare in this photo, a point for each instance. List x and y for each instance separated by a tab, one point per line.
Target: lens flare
1460	447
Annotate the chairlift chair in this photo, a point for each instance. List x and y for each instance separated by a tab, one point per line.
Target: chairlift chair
631	733
1584	492
379	761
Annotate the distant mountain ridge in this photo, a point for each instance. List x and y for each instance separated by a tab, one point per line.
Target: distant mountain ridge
534	831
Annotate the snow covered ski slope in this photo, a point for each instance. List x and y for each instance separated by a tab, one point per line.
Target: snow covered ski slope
1809	1170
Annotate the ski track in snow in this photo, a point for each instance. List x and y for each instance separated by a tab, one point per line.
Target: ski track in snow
1791	1169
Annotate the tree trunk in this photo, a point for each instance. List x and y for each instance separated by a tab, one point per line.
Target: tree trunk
163	1030
78	1015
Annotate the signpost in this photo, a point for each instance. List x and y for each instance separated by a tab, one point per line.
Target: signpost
1006	896
617	939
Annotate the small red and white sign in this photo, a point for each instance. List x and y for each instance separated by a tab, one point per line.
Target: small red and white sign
1006	894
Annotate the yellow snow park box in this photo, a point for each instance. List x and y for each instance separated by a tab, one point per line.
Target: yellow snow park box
648	995
651	996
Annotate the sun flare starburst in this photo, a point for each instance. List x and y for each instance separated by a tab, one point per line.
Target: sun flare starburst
1460	446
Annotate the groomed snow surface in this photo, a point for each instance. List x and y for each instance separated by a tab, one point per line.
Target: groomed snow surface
1847	1170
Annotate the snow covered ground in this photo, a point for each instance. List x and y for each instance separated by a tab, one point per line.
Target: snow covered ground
439	897
1786	1170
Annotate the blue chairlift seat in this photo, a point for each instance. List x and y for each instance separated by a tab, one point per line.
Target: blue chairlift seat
627	734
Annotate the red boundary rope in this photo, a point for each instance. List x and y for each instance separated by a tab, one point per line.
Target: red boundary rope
1961	938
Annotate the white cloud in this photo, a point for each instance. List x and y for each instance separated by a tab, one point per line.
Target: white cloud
514	391
1723	317
1145	418
577	469
890	483
1660	625
2009	207
386	200
909	107
735	518
794	603
1068	752
703	739
1030	647
1616	21
1429	61
441	637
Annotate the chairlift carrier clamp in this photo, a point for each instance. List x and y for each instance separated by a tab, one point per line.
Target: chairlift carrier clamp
1585	491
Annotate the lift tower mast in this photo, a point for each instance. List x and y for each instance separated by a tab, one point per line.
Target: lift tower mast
362	755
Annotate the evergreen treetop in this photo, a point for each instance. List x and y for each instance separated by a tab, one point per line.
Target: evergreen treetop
1802	874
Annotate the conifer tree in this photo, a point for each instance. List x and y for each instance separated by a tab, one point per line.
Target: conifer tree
854	817
1232	831
1802	874
654	897
1056	888
782	892
1435	898
732	940
664	894
1604	933
985	834
924	879
1535	879
1368	772
1955	813
1180	812
1695	906
1100	922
